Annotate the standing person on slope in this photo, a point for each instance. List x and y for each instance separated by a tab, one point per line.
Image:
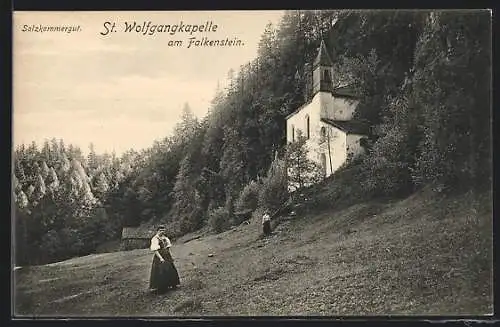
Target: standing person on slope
164	275
266	223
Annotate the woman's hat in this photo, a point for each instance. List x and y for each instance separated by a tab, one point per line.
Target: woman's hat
161	227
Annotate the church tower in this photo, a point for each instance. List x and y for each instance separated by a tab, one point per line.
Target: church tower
322	71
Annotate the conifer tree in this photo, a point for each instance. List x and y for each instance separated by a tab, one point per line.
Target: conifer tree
29	191
92	161
273	192
40	189
21	199
186	205
19	171
232	167
52	180
65	165
46	153
186	128
16	185
101	187
302	171
44	170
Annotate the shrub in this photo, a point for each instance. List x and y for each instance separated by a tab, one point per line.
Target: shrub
273	192
387	167
386	178
249	197
347	186
51	243
218	219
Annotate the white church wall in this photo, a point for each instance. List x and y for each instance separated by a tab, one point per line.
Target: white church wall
336	140
325	104
354	144
315	145
354	147
298	121
337	155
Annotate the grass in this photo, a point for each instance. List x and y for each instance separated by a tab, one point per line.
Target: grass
422	255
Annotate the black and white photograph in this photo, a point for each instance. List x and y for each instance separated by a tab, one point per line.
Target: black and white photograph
279	163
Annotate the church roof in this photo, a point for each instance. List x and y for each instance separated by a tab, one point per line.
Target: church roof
323	58
298	109
348	126
347	91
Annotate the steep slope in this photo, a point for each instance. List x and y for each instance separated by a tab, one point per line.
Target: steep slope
421	255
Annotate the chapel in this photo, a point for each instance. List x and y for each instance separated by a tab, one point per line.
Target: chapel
327	118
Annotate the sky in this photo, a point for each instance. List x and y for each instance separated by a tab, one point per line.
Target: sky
121	90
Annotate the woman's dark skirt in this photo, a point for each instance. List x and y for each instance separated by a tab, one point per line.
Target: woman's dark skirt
266	226
164	275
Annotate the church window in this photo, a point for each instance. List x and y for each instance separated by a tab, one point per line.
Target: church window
326	75
293	133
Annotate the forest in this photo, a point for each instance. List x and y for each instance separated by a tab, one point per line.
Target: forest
424	83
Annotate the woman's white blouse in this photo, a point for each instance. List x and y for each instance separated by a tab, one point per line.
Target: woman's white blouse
155	242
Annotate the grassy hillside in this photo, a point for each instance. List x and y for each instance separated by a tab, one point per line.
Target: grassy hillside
425	254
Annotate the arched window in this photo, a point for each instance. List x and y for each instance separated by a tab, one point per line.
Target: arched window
308	134
323	134
323	163
326	75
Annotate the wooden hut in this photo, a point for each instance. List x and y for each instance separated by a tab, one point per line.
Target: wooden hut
136	237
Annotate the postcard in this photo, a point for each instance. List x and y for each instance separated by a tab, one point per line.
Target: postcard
293	163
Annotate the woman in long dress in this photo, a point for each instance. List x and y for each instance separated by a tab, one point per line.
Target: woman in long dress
266	223
164	275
